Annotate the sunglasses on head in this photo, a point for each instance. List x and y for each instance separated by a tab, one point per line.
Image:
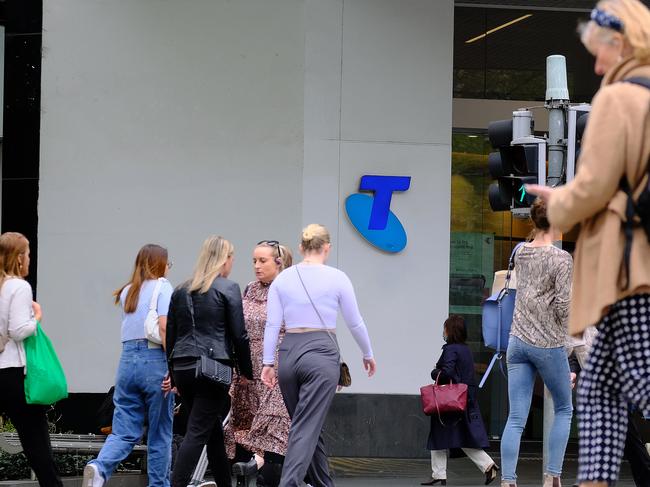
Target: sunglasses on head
272	243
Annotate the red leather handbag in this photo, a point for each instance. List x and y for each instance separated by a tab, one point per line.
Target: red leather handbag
445	398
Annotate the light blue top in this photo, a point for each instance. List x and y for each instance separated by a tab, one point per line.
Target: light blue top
133	323
330	290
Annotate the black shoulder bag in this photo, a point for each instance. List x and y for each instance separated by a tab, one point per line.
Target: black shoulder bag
641	207
208	367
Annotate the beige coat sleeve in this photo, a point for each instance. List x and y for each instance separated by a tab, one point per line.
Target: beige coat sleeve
600	167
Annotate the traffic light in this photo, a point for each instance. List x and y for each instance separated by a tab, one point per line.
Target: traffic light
515	164
577	117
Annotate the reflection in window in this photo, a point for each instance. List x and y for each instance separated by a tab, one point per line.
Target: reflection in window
481	242
510	63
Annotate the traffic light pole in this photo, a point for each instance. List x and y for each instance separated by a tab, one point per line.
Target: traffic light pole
557	103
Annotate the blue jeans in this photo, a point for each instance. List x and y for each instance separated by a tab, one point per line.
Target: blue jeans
138	396
524	361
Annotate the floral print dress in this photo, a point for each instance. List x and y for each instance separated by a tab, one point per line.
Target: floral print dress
259	419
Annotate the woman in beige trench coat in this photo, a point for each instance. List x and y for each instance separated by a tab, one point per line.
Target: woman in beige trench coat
607	291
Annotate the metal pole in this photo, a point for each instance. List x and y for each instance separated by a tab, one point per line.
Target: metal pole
557	102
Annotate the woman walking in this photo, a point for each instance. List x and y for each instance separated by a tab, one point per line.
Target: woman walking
266	428
307	297
466	431
138	392
538	338
18	317
612	259
206	320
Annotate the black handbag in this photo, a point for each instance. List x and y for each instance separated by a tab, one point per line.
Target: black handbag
207	367
215	371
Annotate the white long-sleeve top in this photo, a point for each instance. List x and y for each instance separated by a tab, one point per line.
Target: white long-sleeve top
329	288
17	320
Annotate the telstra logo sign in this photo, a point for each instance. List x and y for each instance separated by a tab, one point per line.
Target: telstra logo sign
371	215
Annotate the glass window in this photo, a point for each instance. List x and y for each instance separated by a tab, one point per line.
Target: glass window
481	242
510	63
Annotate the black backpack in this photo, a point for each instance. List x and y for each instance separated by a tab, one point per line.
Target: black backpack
641	207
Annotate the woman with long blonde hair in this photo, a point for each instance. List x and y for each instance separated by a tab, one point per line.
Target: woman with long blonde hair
18	317
206	320
142	369
611	280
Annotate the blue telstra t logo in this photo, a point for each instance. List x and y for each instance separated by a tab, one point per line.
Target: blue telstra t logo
371	215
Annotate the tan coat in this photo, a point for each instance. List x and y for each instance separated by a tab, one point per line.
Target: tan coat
616	143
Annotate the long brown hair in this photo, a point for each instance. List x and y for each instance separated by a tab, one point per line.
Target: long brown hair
150	263
539	218
12	246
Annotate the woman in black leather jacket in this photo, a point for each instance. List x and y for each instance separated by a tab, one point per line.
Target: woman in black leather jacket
206	319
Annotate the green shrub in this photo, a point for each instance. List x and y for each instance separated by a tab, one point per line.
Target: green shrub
15	467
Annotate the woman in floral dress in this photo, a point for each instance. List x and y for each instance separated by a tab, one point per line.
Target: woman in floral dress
259	419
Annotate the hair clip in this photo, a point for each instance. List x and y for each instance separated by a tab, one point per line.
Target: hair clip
605	19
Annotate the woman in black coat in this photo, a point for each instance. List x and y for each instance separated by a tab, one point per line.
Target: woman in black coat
453	431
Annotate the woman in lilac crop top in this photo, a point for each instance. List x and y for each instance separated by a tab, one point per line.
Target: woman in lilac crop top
306	298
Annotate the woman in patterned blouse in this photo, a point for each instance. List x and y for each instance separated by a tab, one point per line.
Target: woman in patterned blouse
260	421
537	345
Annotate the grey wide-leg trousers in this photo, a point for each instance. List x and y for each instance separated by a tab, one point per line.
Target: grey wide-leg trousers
308	373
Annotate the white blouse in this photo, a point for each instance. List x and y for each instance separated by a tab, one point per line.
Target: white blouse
17	320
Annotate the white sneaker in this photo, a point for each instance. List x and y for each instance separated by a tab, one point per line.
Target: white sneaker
92	477
207	483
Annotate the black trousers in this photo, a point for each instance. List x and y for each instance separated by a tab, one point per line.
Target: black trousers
205	404
636	453
31	423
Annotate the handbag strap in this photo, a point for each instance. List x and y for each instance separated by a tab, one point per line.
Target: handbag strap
450	379
511	265
435	399
156	292
316	309
190	307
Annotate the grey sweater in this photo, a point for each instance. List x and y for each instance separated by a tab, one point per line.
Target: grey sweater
543	295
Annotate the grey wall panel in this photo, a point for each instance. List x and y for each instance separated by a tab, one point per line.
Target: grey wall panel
167	122
162	122
393	96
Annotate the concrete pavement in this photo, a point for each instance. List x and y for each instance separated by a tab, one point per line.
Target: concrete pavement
378	472
358	472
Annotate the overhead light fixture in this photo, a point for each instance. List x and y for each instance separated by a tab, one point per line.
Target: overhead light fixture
502	26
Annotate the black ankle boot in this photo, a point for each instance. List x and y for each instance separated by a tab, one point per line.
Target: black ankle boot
269	475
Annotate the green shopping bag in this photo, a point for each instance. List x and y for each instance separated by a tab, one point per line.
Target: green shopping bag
45	380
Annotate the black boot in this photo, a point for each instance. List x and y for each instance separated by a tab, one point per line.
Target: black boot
269	475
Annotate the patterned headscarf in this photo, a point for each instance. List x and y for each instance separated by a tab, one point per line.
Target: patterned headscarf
605	19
